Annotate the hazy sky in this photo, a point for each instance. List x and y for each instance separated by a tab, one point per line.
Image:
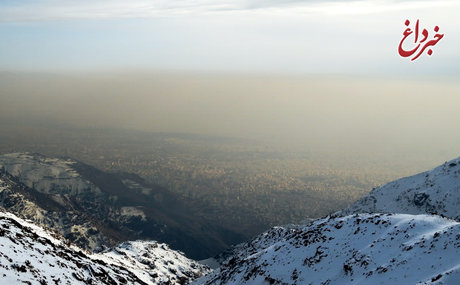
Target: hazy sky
120	50
270	36
334	113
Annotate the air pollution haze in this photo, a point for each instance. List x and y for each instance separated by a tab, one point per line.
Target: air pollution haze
310	112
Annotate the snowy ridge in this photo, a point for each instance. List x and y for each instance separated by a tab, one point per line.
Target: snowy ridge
31	255
432	192
358	249
154	262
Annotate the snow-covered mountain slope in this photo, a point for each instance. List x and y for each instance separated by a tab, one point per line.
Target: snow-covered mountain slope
32	255
356	249
154	262
432	192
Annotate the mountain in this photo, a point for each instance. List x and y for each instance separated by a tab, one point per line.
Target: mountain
96	209
154	262
416	240
356	249
32	255
436	191
405	232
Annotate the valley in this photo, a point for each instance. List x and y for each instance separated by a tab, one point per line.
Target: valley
225	189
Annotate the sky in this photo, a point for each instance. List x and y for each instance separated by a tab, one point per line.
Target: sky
261	36
310	73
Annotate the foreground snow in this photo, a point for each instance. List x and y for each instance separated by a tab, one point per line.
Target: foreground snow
31	255
357	249
154	262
